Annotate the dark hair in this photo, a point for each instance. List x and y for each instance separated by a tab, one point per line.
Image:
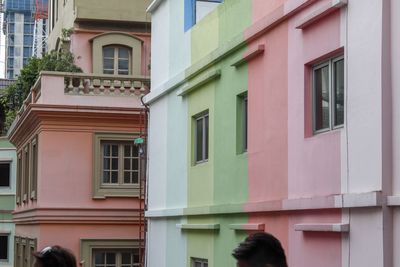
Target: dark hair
55	256
260	249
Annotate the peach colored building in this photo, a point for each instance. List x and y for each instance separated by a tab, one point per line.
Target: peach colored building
78	169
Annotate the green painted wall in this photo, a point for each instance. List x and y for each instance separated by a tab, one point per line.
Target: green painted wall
224	178
7	203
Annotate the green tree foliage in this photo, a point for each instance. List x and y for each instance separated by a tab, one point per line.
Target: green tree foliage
15	94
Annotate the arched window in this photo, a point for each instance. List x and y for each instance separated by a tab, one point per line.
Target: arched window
116	60
117	54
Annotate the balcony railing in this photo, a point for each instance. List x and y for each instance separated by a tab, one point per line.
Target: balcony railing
91	84
75	84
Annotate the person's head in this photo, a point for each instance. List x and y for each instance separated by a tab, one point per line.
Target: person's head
260	250
54	256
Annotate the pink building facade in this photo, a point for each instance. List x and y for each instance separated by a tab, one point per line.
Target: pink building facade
79	172
298	103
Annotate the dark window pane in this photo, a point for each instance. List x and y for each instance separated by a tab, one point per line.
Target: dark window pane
106	164
135	164
206	138
123	72
108	64
338	93
99	258
123	53
127	177
108	71
321	98
126	258
245	123
127	150
3	247
114	177
135	152
4	174
110	258
114	164
123	65
135	177
199	139
115	150
106	177
108	52
106	150
127	164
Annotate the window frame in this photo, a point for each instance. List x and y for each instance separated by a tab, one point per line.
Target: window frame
242	118
9	163
121	164
88	246
195	260
205	137
118	255
99	190
116	59
326	63
194	9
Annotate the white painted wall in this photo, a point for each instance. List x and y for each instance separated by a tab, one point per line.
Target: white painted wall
364	109
366	244
395	49
158	155
204	8
156	247
160	45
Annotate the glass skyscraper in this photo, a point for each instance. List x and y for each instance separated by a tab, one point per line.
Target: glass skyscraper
18	27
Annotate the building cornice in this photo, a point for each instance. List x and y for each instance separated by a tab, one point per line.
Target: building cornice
76	216
37	115
340	201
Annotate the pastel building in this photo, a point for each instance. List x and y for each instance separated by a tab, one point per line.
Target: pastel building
79	172
7	201
277	116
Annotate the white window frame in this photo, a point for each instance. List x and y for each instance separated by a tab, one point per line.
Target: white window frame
116	59
330	63
202	116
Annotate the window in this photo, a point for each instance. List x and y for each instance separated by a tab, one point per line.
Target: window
110	253
4	247
5	174
120	164
115	258
33	184
199	262
22	251
201	138
26	174
195	10
242	123
27	161
116	60
328	95
116	165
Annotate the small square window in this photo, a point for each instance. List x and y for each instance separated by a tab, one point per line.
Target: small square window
199	262
328	95
201	137
4	174
4	239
